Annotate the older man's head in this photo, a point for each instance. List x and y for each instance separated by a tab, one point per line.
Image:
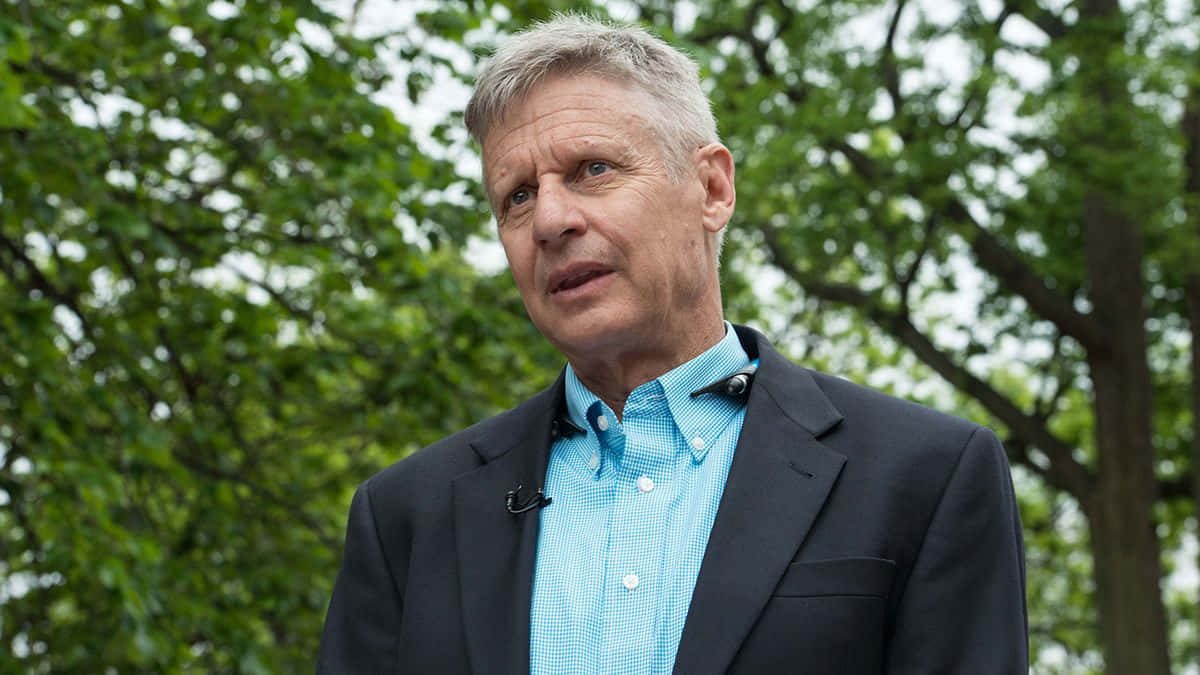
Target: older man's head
611	193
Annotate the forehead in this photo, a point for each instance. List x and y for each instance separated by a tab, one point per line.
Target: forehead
563	115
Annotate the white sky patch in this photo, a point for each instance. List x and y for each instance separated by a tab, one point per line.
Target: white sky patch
239	267
315	36
171	129
485	255
72	250
68	322
222	11
1185	578
105	111
946	63
940	12
1019	31
1029	71
185	39
868	30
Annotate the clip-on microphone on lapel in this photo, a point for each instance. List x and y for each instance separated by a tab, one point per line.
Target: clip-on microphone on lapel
560	426
563	426
537	501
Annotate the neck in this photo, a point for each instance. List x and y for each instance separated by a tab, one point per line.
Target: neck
613	378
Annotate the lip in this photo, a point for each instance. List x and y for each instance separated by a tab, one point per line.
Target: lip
569	274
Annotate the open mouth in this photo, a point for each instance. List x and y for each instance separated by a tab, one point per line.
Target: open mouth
577	280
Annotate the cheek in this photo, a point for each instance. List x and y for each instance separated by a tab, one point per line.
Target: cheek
517	257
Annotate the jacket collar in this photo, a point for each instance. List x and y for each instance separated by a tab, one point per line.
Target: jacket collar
496	548
780	477
779	480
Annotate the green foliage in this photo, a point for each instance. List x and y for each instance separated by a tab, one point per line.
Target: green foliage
226	296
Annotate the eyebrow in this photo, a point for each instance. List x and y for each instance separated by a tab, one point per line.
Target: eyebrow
620	152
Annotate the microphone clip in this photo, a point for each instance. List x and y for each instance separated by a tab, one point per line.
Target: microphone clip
734	386
563	427
538	501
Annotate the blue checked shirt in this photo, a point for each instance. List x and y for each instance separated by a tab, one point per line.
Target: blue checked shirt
634	502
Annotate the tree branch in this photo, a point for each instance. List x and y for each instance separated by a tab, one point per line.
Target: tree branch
39	281
887	61
906	280
974	90
1047	402
758	49
995	258
1018	453
1064	472
1177	487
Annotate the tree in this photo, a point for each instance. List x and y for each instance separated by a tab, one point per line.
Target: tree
230	289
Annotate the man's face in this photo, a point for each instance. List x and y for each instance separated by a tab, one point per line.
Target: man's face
612	257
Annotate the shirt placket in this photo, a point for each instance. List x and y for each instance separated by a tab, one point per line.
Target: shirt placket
633	571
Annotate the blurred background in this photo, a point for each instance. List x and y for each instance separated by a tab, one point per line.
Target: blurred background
245	262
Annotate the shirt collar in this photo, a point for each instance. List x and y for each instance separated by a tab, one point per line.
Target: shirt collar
700	420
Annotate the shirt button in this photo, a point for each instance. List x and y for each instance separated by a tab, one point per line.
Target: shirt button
645	483
698	443
630	581
602	423
594	461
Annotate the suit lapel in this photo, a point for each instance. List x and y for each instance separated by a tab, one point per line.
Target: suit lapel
496	549
778	482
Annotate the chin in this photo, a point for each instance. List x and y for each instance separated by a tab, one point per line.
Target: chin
589	339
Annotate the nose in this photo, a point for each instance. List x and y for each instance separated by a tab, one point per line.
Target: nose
556	214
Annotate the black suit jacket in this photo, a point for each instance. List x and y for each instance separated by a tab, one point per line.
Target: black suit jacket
857	533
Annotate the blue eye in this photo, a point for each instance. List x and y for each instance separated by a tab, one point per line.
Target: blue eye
519	197
596	168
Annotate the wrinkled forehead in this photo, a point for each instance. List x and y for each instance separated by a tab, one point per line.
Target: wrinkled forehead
572	109
640	100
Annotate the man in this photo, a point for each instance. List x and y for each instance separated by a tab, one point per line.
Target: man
682	499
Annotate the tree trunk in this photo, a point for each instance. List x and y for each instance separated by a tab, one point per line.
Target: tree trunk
1193	296
1126	549
1127	573
1190	125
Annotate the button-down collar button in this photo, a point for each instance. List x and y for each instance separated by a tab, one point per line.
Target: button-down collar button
698	443
593	462
645	483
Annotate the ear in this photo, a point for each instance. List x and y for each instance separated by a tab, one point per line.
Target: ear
714	168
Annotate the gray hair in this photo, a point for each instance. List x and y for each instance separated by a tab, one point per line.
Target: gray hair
578	45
